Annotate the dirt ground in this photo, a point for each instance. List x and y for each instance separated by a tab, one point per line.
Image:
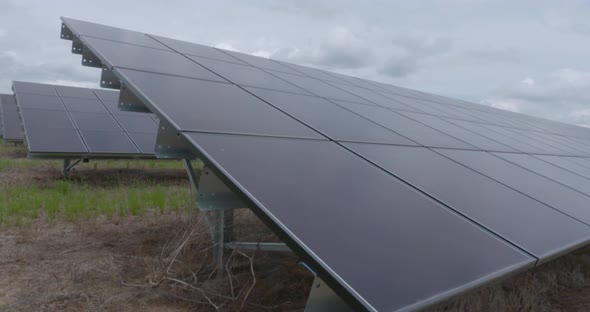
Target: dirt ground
124	264
119	264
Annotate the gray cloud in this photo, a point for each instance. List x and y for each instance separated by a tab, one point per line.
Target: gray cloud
405	54
340	49
562	95
461	48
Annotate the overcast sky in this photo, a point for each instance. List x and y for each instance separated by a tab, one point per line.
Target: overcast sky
527	56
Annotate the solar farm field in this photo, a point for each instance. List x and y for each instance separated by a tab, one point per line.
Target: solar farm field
121	235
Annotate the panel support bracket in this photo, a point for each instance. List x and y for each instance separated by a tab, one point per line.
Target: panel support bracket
171	144
129	102
77	46
66	33
89	59
322	298
108	79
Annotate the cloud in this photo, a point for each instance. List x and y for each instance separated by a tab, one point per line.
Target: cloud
14	67
339	48
227	46
406	53
562	95
309	8
374	50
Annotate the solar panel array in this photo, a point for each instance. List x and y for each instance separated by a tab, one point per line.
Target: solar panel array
12	131
60	121
397	198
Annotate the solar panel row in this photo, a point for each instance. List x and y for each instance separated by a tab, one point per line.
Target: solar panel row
397	198
11	125
60	120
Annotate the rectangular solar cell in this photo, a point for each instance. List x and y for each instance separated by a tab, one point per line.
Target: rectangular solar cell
354	81
151	60
197	50
567	163
137	123
375	98
548	170
146	142
417	105
582	149
561	198
320	88
210	106
84	105
55	140
36	101
116	34
11	123
508	213
107	96
406	127
262	62
457	132
36	88
480	129
584	161
330	119
508	133
556	147
366	213
108	142
46	118
313	72
73	92
245	75
93	121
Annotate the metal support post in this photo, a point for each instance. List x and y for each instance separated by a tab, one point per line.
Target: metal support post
68	166
217	202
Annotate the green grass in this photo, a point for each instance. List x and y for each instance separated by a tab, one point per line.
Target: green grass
111	195
17	163
71	201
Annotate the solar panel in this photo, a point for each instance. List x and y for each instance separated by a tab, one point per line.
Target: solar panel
249	115
61	121
371	219
493	204
12	131
396	198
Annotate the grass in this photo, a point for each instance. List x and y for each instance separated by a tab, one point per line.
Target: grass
71	201
33	188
